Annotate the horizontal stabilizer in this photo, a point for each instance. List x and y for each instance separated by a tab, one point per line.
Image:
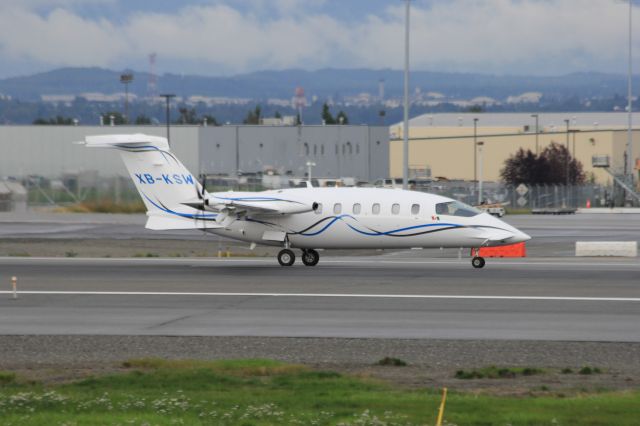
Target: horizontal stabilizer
159	223
130	141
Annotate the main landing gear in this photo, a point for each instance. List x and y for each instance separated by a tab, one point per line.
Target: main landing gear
286	257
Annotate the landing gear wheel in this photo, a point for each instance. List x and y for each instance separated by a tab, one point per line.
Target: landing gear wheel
478	262
286	257
310	257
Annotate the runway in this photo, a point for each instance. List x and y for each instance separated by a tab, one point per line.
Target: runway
398	296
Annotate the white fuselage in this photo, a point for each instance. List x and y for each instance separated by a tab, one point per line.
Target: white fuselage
365	218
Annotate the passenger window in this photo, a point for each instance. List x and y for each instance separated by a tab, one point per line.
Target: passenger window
375	209
356	208
318	209
415	209
337	208
395	209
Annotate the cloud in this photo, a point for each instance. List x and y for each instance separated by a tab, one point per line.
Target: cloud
222	37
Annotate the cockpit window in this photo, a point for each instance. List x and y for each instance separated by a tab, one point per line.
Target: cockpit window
456	208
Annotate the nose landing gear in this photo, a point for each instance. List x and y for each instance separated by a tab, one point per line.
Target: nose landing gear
478	262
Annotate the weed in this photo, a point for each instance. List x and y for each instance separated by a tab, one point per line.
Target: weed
494	372
7	377
587	370
70	253
394	362
566	370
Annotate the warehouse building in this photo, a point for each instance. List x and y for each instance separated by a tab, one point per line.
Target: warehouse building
359	152
442	145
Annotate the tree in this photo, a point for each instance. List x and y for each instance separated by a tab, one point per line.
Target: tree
211	120
142	119
557	158
188	116
342	118
327	118
548	168
253	117
56	121
277	115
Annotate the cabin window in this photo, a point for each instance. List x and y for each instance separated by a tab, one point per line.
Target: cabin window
357	208
415	209
375	209
337	208
456	208
395	208
318	209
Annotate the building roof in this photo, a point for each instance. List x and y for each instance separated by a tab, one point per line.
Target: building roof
579	119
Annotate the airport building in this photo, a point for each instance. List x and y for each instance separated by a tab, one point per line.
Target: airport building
442	145
359	152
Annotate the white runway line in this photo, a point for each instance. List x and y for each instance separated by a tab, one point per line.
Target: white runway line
582	262
329	295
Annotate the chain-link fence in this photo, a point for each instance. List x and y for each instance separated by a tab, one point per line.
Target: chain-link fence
75	190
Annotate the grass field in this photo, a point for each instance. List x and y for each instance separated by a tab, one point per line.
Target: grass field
262	392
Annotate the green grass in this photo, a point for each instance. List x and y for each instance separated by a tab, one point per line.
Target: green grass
263	392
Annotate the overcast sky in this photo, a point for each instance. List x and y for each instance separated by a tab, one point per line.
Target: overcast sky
224	37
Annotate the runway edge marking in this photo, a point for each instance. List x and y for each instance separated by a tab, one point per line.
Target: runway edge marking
329	295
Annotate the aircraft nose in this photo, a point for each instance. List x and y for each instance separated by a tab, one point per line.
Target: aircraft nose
520	237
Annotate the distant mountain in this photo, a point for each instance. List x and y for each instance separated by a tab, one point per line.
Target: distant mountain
322	83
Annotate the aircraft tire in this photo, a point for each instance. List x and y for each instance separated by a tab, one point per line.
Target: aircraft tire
310	257
478	262
286	257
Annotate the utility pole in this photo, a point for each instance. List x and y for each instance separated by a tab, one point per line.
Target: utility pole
167	97
536	116
405	128
475	149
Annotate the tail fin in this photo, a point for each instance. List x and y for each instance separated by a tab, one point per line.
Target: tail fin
167	188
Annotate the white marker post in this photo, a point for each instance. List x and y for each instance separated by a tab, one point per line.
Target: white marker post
14	285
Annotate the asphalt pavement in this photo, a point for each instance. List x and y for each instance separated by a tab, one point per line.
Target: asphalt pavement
392	296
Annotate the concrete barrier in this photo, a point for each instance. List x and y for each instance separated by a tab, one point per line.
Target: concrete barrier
607	248
605	210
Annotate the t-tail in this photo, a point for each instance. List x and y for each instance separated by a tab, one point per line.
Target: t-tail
169	191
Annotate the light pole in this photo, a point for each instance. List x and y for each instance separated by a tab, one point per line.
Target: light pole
536	116
480	144
167	97
566	157
310	164
475	142
628	165
126	79
405	129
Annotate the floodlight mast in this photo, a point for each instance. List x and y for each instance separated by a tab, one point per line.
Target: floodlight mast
167	97
405	127
126	79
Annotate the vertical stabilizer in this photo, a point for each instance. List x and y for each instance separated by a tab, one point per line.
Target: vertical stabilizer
167	188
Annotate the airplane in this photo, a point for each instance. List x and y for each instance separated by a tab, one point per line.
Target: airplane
308	218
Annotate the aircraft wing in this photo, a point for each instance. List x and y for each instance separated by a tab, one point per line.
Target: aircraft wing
258	203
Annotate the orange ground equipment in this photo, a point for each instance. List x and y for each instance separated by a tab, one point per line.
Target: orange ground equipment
512	250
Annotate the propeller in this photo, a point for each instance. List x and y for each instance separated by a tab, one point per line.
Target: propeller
201	199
